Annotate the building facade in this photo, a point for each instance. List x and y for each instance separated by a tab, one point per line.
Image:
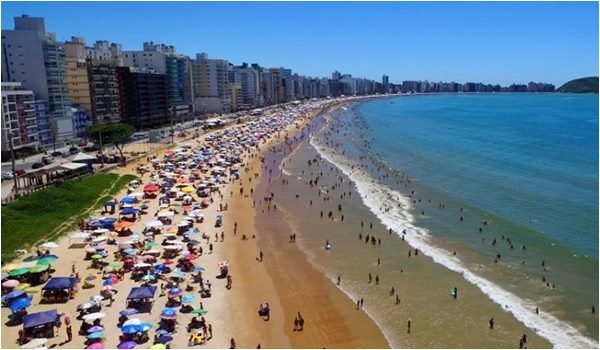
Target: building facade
143	98
19	123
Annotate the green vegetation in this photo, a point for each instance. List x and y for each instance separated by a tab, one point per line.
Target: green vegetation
582	85
117	134
51	212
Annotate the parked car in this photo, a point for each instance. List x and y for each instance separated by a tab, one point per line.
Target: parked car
91	148
47	160
7	175
56	154
73	150
37	165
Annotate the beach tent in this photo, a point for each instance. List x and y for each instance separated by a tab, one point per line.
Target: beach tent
82	158
39	319
60	283
142	292
73	166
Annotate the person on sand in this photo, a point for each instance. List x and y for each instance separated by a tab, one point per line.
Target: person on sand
232	344
408	326
300	322
296	323
339	279
491	322
210	335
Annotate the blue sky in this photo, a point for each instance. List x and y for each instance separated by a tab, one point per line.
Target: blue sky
463	41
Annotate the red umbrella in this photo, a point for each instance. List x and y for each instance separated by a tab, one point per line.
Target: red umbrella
151	188
191	257
168	262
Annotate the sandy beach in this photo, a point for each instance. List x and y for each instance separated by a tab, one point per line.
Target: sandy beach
284	279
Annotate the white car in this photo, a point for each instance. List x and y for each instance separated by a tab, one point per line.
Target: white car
8	175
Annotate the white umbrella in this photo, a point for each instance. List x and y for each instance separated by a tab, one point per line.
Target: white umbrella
173	247
101	230
165	214
136	194
94	316
141	265
36	343
50	245
154	223
133	321
99	239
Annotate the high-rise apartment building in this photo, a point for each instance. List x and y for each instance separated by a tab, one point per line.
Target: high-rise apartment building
211	85
143	97
33	57
19	123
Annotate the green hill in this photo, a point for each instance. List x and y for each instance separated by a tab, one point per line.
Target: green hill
581	85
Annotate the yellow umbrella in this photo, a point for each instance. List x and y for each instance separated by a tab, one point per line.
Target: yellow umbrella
172	230
10	267
23	286
188	189
31	290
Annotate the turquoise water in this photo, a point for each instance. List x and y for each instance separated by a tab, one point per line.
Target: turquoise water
525	163
529	158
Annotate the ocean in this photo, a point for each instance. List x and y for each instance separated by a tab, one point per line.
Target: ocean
499	192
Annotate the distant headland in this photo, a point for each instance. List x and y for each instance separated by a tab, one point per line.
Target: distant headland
581	85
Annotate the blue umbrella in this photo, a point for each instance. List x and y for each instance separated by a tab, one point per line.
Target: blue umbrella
161	267
164	339
188	298
128	200
20	304
168	312
128	211
130	329
145	327
14	294
129	250
129	312
96	335
199	268
162	331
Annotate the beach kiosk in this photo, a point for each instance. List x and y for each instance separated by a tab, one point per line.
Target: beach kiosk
40	324
141	298
58	289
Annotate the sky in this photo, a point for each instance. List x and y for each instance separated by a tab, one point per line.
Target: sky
504	43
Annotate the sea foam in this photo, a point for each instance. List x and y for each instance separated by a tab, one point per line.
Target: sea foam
398	218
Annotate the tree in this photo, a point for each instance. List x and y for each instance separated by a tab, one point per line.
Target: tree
117	134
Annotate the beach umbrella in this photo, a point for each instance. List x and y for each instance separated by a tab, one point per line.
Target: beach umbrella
165	339
102	246
39	268
20	304
145	327
175	292
129	312
97	257
162	331
85	306
18	272
148	278
95	346
35	343
3	276
130	329
93	316
168	313
96	298
167	262
129	250
133	321
94	329
117	264
178	273
95	335
30	290
188	298
32	258
198	268
155	223
150	244
10	283
199	311
191	257
148	258
161	267
90	277
50	245
127	345
23	286
10	267
101	230
47	260
158	346
14	294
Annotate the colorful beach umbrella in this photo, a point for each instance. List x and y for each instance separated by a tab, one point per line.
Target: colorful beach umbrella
148	278
14	294
97	257
164	339
116	264
10	283
93	316
133	321
175	292
90	277
129	312
95	329
39	268
47	260
130	329
18	272
145	327
20	304
158	346
96	346
95	335
23	286
199	311
188	298
127	345
168	313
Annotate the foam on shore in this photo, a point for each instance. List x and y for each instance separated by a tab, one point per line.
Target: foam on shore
398	218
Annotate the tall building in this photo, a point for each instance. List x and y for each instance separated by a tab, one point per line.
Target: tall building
143	96
236	96
92	82
385	81
211	85
43	123
248	79
80	120
19	123
33	57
